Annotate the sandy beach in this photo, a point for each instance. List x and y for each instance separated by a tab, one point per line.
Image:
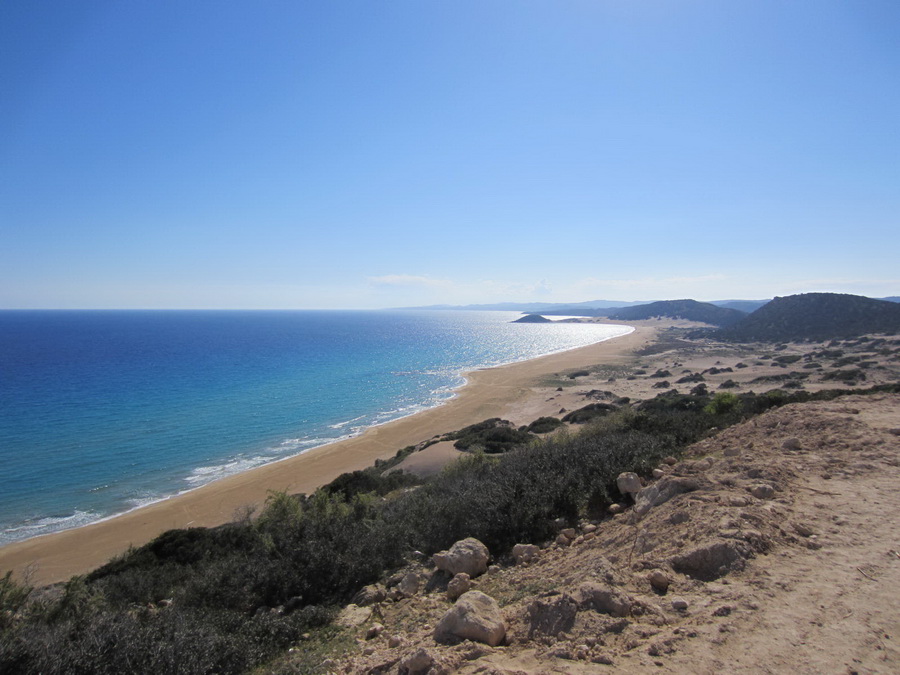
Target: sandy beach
512	391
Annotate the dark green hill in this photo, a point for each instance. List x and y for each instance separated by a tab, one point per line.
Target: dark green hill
532	318
815	316
691	310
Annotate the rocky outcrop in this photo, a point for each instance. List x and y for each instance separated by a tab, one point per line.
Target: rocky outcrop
468	556
660	493
605	599
475	616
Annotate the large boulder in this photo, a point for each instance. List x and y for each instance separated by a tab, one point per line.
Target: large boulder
475	616
469	556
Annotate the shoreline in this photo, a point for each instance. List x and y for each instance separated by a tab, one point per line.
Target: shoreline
490	392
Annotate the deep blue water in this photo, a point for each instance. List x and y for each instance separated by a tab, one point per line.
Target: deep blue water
101	412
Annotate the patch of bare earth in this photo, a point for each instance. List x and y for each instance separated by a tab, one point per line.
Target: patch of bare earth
782	556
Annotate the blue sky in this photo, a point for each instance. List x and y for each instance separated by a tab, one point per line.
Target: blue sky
350	154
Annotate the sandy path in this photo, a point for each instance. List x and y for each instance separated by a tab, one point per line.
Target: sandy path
489	393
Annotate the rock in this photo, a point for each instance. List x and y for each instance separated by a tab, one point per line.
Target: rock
628	483
525	553
569	532
614	509
712	561
671	461
604	599
563	540
374	631
590	527
369	595
417	663
475	616
732	452
660	493
659	580
394	641
791	444
679	604
409	585
352	616
658	473
458	585
762	491
468	555
803	529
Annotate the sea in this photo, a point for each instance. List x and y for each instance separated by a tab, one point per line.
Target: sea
102	412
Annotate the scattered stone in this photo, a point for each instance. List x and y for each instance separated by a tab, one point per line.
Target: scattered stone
671	461
475	616
658	473
394	641
525	553
409	585
368	651
569	532
732	452
602	659
659	580
590	527
614	509
417	663
563	540
468	555
792	444
762	491
679	604
629	483
458	585
374	631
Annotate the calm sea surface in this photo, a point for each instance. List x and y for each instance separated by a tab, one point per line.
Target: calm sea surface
101	412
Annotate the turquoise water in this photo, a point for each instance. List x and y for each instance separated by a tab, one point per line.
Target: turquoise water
102	412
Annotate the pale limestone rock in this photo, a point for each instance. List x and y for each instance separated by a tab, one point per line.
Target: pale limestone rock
629	483
475	616
467	555
525	553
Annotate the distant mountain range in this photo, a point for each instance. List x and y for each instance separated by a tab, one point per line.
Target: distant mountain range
537	307
605	308
690	310
815	316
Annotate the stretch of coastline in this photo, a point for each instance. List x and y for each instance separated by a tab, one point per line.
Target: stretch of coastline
506	391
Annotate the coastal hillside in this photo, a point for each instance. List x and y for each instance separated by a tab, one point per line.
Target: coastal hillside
689	310
622	525
815	316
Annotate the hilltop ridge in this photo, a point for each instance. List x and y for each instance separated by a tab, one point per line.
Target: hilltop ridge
815	316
